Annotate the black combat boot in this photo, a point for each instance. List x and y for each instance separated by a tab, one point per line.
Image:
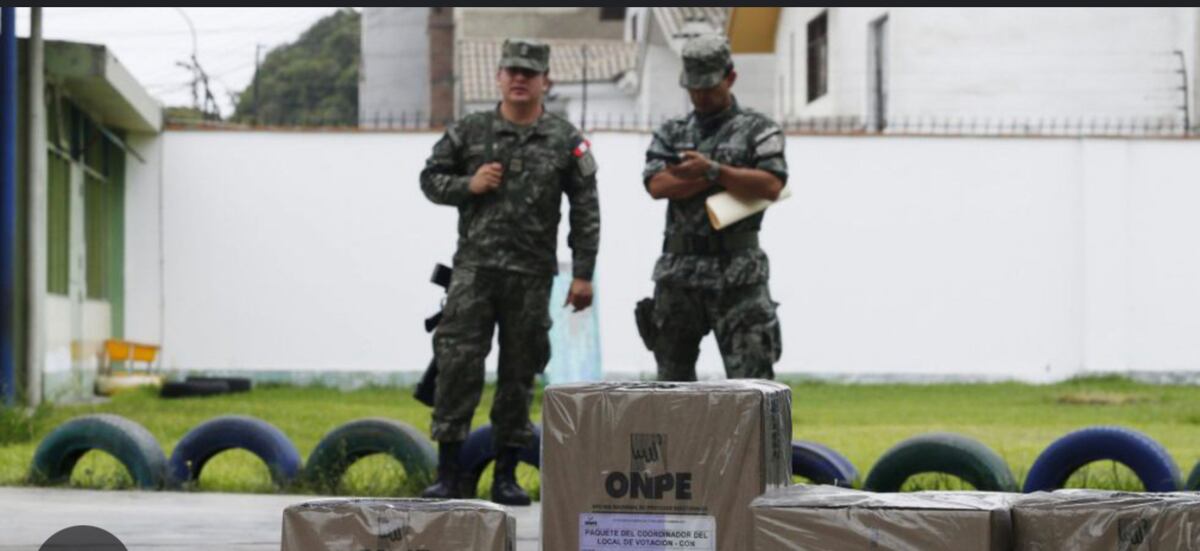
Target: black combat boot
448	473
505	489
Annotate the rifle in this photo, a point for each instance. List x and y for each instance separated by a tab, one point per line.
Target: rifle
426	390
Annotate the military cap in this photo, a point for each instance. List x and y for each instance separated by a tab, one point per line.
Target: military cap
705	60
526	54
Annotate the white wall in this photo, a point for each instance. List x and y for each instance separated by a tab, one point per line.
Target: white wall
1006	63
977	257
70	365
144	240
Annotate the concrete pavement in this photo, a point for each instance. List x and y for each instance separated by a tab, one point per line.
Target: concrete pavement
171	521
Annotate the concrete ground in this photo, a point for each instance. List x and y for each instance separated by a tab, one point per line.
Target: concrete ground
169	521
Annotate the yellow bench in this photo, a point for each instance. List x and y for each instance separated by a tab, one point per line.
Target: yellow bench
109	382
130	352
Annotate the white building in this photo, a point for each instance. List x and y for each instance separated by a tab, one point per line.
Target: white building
423	66
1002	64
406	77
585	75
660	34
588	58
82	150
395	49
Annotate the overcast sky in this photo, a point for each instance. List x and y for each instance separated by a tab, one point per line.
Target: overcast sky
150	41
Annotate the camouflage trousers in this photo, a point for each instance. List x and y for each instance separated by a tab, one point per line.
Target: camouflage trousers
478	300
743	319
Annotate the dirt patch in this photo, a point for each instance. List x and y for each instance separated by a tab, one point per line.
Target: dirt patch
1101	398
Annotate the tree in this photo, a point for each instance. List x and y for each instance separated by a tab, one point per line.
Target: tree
183	114
311	81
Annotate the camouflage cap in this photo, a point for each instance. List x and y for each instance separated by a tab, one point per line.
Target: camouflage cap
526	54
705	59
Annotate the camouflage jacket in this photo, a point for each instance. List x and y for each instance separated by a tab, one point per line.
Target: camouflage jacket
515	227
737	137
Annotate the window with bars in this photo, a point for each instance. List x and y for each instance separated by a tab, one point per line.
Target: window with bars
96	221
58	222
77	145
818	56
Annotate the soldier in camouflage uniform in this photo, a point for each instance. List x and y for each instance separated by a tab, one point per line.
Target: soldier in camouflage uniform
505	170
707	279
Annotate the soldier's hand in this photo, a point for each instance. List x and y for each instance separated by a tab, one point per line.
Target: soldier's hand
580	295
486	178
693	166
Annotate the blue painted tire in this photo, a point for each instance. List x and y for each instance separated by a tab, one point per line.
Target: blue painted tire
1144	456
230	432
941	452
127	441
822	465
479	451
352	441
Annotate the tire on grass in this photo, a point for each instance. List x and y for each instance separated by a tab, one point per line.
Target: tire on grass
236	384
822	465
1193	480
344	445
941	452
229	432
479	451
187	389
125	440
1147	458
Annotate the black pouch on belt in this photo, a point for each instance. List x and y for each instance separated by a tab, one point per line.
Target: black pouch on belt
643	313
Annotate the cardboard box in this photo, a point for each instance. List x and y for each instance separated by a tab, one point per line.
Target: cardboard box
828	518
1087	520
398	525
650	466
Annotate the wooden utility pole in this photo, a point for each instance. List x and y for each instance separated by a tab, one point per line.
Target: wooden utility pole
257	51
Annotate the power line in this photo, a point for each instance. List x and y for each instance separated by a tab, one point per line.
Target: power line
203	31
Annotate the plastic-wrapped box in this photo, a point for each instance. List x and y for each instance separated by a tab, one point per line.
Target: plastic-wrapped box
1095	520
650	466
398	525
828	518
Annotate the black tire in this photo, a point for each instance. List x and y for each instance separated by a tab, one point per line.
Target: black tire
188	389
1146	457
946	453
234	432
822	465
127	441
479	451
236	384
352	441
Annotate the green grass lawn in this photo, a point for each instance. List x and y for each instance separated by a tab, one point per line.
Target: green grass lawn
860	421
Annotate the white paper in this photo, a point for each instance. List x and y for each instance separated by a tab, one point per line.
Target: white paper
725	209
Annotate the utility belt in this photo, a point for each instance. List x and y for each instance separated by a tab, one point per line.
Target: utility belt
710	244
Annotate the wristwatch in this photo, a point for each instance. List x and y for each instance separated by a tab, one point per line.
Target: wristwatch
714	170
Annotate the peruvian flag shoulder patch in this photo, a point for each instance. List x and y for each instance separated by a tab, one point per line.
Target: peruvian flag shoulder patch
582	149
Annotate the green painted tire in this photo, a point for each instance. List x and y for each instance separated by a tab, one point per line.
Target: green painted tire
352	441
1193	479
127	441
941	452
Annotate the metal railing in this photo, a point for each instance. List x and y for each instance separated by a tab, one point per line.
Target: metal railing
1050	126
